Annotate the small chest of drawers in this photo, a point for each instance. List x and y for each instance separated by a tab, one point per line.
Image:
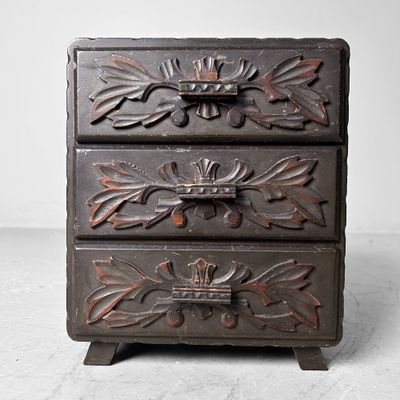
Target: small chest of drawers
206	193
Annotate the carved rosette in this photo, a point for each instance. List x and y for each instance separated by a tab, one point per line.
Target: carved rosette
202	293
208	89
286	181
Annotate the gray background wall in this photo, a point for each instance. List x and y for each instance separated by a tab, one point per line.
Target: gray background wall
34	36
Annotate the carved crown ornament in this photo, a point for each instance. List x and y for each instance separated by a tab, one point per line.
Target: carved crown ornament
208	88
201	293
286	181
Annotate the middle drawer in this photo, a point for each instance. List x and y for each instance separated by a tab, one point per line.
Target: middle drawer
207	192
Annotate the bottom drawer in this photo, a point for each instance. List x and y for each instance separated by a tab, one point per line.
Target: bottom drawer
206	294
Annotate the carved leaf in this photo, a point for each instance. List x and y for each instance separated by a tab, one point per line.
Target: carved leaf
289	172
124	182
169	173
105	203
307	203
241	170
171	70
163	209
282	283
101	301
165	271
285	272
263	284
282	322
244	71
309	102
291	219
289	80
125	79
114	271
126	120
173	106
287	179
119	318
292	71
120	280
302	304
293	120
236	275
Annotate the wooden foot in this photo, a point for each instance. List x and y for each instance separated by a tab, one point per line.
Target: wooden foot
100	353
310	358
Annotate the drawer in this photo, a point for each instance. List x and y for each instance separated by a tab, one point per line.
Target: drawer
240	192
205	293
208	90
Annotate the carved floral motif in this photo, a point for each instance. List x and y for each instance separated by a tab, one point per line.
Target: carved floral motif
202	293
286	181
209	90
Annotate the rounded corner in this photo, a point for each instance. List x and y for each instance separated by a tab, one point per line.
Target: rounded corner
343	45
79	42
71	333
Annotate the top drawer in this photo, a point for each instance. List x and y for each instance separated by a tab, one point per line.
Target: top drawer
202	90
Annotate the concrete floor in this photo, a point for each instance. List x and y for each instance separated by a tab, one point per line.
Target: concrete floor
39	361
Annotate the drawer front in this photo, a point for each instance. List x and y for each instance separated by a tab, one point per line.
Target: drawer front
207	192
209	90
234	294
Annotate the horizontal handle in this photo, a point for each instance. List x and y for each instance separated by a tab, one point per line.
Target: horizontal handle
211	90
206	191
202	294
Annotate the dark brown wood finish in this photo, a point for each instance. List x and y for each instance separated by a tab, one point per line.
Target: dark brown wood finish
223	192
288	81
142	90
206	193
100	353
259	292
310	358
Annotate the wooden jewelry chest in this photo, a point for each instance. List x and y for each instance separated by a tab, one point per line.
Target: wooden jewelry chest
206	193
